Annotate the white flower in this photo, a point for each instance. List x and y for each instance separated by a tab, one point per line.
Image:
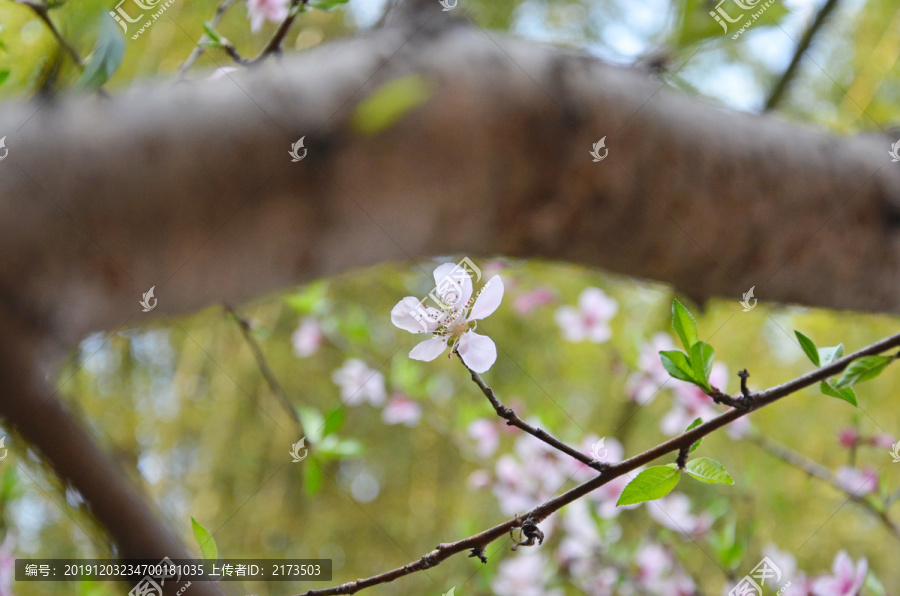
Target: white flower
590	321
263	10
307	338
454	323
359	383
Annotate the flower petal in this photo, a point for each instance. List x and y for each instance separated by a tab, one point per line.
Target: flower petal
454	285
478	351
411	315
488	299
429	349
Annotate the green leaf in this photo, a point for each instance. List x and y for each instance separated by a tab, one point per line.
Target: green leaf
829	355
326	4
697	422
106	57
708	470
651	484
205	540
311	299
332	447
312	477
845	393
390	102
215	40
301	7
4	74
313	424
685	325
678	365
333	421
702	355
809	348
862	370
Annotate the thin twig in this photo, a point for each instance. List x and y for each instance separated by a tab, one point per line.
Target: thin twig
478	542
788	75
512	419
274	44
265	369
198	49
819	471
42	12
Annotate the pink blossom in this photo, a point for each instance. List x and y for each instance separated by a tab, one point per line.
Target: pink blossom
590	321
883	440
486	436
845	579
524	574
479	479
528	301
359	383
453	325
608	450
402	410
581	541
848	437
657	573
307	338
674	512
643	385
259	11
858	482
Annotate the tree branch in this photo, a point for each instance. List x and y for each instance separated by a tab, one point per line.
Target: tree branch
41	10
478	542
198	49
819	471
512	419
778	91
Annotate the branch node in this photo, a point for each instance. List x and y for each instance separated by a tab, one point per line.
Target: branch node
744	375
478	552
530	533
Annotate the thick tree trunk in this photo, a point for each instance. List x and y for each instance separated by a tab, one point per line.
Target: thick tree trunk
190	189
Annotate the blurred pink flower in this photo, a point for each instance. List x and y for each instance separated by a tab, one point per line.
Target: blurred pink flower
859	482
883	440
402	410
260	11
590	321
691	402
610	452
528	301
359	383
657	572
307	338
845	579
479	479
581	541
848	437
674	512
524	574
454	324
644	384
486	435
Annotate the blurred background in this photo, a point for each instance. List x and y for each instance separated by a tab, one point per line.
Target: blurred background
414	456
